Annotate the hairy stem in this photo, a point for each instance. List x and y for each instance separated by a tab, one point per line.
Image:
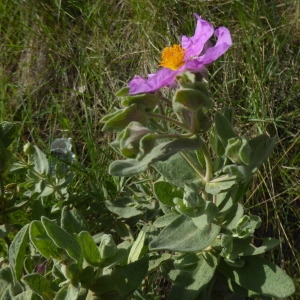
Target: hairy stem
208	162
209	169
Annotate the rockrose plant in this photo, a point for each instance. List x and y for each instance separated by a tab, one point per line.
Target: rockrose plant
203	168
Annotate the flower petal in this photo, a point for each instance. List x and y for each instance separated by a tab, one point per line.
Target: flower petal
163	77
195	44
222	45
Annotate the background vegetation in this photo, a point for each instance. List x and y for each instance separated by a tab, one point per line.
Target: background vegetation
61	62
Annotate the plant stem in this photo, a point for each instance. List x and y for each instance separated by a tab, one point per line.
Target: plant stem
209	170
208	162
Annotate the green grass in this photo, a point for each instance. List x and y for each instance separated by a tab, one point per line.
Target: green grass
61	63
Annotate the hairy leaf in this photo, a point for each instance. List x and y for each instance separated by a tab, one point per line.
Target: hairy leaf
189	283
163	151
17	251
40	285
90	250
260	276
62	239
186	234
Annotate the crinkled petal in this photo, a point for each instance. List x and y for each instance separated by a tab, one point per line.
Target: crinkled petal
136	82
195	66
222	45
163	77
195	44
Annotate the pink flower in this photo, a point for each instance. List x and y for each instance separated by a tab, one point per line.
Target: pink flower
193	55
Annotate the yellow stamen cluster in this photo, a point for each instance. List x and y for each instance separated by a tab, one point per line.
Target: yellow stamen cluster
172	57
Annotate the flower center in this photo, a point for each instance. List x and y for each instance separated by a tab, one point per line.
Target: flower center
172	57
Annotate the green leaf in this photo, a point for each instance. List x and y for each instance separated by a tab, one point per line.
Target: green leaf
17	251
241	293
40	285
104	287
149	101
123	230
193	199
62	239
27	295
120	258
123	207
120	119
240	171
261	148
67	293
226	244
238	150
37	158
123	92
122	282
186	261
129	139
87	275
224	128
37	209
224	203
107	247
191	81
61	294
161	152
6	274
242	247
42	242
215	142
146	144
169	169
193	99
5	292
137	247
156	260
165	220
129	277
166	192
6	282
233	216
260	276
247	225
90	250
186	234
219	184
190	283
72	220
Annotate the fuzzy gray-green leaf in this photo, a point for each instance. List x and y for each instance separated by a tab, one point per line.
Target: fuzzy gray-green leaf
17	251
185	235
62	239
